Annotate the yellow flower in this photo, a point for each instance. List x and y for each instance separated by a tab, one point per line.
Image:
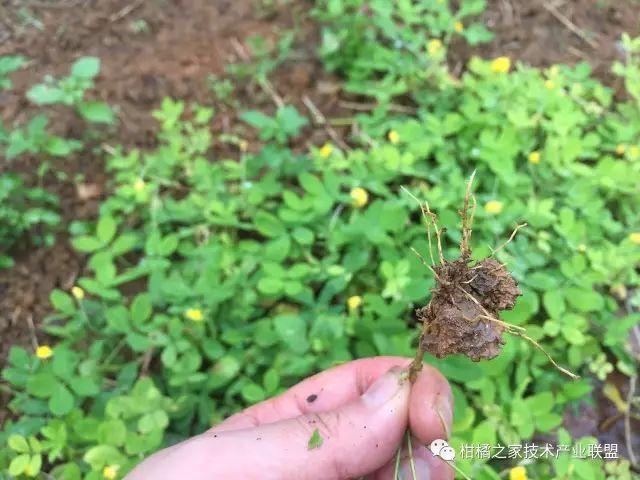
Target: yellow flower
634	152
501	64
434	46
458	26
493	207
393	137
635	237
534	157
354	302
110	471
359	196
326	150
243	145
620	149
77	292
44	351
139	185
549	85
194	314
582	248
518	473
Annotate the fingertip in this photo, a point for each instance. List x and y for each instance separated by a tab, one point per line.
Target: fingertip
438	469
425	465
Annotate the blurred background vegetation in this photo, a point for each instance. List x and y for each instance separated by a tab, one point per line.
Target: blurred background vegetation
202	205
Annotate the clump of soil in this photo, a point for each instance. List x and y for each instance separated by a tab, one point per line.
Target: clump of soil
463	314
465	302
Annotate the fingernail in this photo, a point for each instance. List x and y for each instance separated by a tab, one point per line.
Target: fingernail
384	388
444	410
422	469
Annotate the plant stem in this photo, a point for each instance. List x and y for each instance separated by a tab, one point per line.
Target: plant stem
396	470
410	450
416	364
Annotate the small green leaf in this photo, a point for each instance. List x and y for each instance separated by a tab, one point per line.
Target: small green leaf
268	224
311	184
19	464
112	432
45	94
18	443
315	441
253	393
86	67
271	380
61	401
86	243
42	384
106	228
584	300
102	455
270	286
35	464
62	302
96	112
141	308
124	243
156	420
553	301
84	386
64	363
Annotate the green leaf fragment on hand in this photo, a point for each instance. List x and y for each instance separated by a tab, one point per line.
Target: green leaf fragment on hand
316	440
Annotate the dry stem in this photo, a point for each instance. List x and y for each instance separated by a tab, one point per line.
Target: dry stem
510	239
467	218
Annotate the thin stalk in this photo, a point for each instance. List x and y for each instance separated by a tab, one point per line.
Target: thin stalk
411	463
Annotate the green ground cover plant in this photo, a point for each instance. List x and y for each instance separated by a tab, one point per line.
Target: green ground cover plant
23	207
215	282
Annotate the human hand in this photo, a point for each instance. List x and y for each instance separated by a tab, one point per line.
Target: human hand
361	410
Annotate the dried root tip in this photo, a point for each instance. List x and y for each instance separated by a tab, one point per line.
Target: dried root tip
510	239
569	374
467	218
518	331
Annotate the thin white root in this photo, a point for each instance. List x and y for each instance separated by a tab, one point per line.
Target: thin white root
427	222
569	374
467	218
511	237
425	263
519	332
411	462
396	471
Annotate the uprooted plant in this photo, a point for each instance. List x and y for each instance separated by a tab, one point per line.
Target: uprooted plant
462	316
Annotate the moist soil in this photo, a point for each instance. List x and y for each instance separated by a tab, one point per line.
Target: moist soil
459	319
156	48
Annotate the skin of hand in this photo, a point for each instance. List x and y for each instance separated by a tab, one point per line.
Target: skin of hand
361	410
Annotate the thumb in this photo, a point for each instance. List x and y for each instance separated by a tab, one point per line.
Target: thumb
350	441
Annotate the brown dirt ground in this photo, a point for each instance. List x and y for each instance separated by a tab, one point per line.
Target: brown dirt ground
546	32
189	39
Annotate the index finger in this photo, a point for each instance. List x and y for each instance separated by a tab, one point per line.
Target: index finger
320	393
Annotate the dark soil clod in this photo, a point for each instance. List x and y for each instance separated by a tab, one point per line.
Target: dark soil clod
460	317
